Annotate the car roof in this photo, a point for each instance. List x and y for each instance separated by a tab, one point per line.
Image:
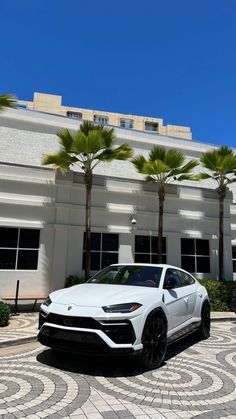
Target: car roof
158	265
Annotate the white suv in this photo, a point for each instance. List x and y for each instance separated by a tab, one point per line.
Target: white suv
126	308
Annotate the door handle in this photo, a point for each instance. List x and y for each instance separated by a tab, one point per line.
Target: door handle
186	300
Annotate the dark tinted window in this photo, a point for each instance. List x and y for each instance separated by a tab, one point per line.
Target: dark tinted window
109	242
234	265
7	258
195	255
185	279
154	244
142	244
8	237
188	263
203	265
173	275
202	247
109	259
104	250
27	259
146	249
29	238
234	252
187	247
18	239
142	258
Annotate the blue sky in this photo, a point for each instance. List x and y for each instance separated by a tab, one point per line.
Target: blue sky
174	59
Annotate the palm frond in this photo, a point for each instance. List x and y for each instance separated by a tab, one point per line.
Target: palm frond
60	160
138	162
108	137
157	153
174	159
66	140
7	101
122	152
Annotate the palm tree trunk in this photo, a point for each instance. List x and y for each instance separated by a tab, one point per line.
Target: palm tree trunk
161	194
221	237
88	179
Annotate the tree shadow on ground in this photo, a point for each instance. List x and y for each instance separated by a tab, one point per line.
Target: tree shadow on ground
109	366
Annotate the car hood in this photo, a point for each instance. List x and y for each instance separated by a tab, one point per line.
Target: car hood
98	295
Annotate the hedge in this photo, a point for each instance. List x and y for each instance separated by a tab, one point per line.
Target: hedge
5	313
73	280
220	293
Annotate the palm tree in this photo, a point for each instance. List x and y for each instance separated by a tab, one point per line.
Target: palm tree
162	167
7	101
221	166
89	146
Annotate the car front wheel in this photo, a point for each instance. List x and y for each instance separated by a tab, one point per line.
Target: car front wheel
154	341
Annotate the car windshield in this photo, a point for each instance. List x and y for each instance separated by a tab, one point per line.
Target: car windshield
141	276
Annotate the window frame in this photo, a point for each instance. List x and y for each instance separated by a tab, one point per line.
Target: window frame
102	119
196	255
18	249
128	123
234	258
150	253
74	115
151	123
100	250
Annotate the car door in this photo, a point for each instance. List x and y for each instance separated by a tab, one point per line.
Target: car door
190	288
174	299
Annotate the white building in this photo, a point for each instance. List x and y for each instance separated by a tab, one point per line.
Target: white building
42	212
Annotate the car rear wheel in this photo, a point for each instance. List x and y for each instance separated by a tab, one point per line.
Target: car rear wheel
205	326
154	341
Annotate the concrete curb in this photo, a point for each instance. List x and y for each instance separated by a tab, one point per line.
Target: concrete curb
19	341
223	319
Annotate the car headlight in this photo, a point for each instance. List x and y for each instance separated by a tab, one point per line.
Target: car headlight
47	302
122	308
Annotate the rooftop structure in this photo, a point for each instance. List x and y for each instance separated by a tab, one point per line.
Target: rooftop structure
53	104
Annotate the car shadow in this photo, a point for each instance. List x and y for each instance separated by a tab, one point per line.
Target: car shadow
115	366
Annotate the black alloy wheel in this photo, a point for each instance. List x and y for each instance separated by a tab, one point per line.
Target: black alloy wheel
205	326
154	341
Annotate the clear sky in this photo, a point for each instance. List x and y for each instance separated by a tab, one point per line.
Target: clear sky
174	59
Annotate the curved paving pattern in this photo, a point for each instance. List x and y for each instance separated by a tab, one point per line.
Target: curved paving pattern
198	381
20	327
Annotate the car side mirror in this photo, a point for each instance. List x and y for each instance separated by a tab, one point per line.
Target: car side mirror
170	283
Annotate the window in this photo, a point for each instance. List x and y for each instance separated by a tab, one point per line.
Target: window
151	126
126	123
19	248
180	278
146	249
101	119
74	115
195	255
234	258
104	250
22	106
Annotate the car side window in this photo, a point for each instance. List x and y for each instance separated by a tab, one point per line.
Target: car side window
172	273
185	279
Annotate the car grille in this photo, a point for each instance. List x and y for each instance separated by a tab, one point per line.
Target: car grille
76	341
118	331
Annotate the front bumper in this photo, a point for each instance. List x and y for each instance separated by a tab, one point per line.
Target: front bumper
86	335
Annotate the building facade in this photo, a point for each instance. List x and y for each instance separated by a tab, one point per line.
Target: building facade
42	211
53	104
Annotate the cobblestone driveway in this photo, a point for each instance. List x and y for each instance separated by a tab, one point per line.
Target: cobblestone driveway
197	381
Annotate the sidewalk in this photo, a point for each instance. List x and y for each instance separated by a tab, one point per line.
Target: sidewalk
24	328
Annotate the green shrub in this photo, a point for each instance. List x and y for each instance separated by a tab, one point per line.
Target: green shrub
4	314
73	280
220	293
